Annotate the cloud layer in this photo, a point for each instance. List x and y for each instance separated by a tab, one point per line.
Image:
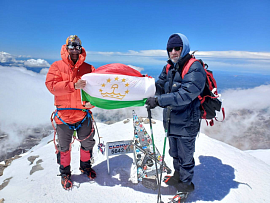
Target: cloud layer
245	61
26	103
222	60
246	125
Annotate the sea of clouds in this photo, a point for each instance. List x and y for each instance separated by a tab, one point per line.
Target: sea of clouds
26	104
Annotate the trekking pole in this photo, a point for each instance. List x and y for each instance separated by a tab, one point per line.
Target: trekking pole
153	143
168	117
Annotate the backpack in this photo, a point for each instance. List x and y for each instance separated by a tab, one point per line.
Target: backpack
209	96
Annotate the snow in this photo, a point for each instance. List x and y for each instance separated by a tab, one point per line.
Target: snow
222	173
262	154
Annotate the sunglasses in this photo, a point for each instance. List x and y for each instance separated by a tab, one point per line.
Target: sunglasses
175	48
78	47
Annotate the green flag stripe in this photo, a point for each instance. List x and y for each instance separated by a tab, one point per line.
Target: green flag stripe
110	104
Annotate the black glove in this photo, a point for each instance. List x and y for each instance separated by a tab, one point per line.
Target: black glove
151	102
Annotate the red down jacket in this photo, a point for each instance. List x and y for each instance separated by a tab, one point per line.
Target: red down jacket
60	81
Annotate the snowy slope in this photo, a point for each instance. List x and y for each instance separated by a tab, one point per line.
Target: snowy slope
262	154
222	174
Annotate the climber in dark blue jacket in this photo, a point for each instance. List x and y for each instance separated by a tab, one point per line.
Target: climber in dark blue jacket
181	95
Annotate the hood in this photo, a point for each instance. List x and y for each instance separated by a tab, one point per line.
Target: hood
66	59
186	48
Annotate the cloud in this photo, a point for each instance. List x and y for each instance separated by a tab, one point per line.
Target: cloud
255	99
246	125
7	59
136	68
44	71
222	60
25	102
146	57
24	56
144	53
39	63
211	54
26	99
234	54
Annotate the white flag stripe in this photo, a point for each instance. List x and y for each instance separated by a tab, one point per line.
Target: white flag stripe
119	87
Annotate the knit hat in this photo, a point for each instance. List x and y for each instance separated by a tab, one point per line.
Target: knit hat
174	41
73	39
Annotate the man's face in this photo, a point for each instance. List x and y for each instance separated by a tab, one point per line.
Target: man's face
175	53
74	51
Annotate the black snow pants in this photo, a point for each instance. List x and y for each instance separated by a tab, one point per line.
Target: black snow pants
182	150
65	135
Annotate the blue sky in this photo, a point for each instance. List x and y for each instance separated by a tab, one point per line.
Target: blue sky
228	35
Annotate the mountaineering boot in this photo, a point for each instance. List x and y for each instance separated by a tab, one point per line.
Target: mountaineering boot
63	159
89	172
172	180
66	181
183	190
185	187
179	197
86	168
85	165
65	177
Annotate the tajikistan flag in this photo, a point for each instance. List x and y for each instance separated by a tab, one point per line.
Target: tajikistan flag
116	86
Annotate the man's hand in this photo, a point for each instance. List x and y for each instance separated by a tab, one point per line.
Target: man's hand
88	105
80	84
151	102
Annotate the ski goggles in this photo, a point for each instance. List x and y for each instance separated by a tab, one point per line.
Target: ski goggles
175	48
72	47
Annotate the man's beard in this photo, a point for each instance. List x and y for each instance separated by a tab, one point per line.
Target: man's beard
175	59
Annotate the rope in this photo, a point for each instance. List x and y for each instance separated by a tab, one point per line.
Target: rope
73	127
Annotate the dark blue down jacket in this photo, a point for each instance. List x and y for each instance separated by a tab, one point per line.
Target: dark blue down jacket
181	94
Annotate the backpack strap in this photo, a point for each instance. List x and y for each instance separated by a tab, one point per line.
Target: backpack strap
167	68
187	66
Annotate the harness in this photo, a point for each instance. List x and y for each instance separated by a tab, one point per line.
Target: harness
72	127
88	116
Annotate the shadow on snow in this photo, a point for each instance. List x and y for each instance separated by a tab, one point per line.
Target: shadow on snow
213	180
